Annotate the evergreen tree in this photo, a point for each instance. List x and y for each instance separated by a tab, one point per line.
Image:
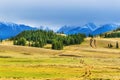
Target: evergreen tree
1	40
108	45
117	45
57	45
21	41
15	42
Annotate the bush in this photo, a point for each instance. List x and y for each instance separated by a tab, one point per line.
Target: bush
110	45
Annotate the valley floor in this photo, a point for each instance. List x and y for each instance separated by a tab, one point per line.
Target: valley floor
76	62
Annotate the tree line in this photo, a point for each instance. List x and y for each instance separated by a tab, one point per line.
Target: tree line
113	34
39	38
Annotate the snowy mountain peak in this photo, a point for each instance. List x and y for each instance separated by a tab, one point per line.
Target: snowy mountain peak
8	30
92	26
89	28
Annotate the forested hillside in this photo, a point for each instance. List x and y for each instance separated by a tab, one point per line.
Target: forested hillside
112	34
40	38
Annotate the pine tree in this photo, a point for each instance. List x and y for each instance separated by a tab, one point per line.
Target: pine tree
108	45
117	45
15	42
57	45
1	40
21	41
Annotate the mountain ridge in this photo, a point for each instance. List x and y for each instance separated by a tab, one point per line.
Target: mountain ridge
89	29
8	30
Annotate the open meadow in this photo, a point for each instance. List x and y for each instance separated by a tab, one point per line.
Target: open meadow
75	62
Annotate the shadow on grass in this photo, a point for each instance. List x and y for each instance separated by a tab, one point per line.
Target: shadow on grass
70	55
5	57
26	53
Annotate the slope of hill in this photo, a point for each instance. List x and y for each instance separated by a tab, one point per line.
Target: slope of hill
76	62
8	30
105	28
112	34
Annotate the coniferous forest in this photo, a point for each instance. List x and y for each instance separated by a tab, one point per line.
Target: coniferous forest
40	38
113	34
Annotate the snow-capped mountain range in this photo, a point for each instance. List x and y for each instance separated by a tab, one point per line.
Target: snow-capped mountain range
8	30
89	28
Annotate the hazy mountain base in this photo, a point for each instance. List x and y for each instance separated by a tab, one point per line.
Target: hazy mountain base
77	62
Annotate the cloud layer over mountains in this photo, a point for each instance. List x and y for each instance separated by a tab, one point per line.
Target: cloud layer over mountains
56	13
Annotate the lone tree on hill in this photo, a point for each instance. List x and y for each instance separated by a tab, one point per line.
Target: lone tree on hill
117	45
93	42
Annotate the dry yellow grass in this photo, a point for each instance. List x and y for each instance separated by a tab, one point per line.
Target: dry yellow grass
76	62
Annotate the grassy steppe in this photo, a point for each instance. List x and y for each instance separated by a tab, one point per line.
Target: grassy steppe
76	62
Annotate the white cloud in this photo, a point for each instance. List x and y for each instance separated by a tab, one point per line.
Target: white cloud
59	12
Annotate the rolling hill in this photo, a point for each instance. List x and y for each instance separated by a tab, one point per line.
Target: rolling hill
105	28
76	62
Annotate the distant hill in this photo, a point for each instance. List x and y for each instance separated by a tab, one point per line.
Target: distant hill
8	30
87	29
105	28
112	34
40	38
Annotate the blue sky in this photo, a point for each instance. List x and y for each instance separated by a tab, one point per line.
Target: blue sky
56	13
